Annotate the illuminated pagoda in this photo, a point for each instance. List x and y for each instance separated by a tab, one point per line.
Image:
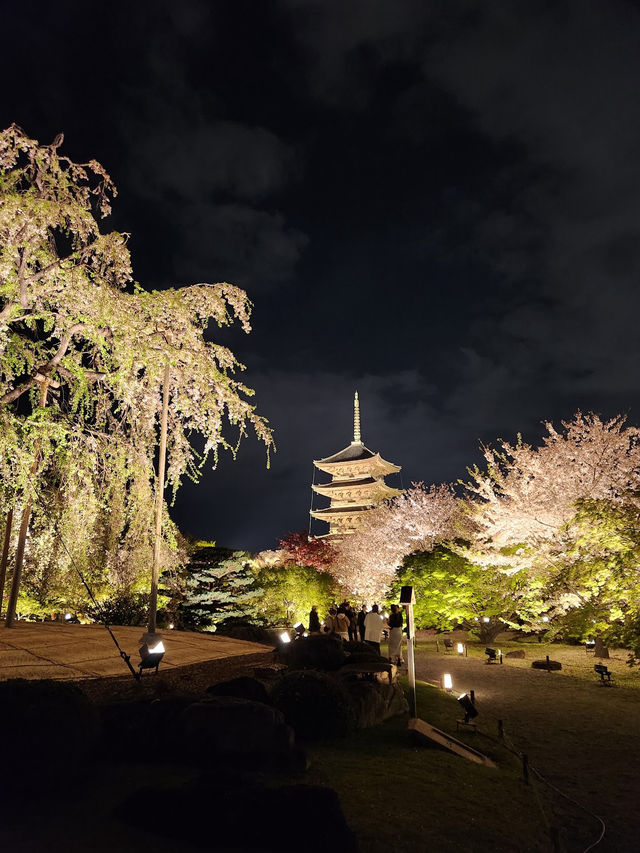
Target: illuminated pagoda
357	483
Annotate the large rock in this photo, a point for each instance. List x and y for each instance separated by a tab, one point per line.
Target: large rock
315	704
235	813
135	728
243	687
240	730
315	652
374	702
43	721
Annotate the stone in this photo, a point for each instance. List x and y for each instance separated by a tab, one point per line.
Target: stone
314	652
374	702
517	653
235	812
42	721
316	704
225	727
243	687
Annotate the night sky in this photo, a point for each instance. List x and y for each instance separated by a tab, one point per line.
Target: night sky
436	203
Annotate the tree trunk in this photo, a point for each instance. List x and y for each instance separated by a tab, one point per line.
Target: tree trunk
24	526
155	571
601	651
5	554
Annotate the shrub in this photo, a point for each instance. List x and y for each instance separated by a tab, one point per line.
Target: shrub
316	705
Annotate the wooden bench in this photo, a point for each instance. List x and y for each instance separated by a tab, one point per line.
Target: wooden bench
448	647
603	671
589	646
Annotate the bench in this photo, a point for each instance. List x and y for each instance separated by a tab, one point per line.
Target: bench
603	671
448	647
492	655
589	646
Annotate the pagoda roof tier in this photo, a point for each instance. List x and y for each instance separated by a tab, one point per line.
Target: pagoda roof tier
330	512
355	461
364	487
356	450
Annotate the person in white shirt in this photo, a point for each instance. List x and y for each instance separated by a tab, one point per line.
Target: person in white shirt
373	623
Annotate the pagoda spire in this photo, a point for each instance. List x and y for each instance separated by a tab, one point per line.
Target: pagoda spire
357	438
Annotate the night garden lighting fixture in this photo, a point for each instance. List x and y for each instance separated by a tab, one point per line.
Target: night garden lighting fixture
151	652
470	710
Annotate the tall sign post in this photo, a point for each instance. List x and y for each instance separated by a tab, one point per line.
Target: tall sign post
407	600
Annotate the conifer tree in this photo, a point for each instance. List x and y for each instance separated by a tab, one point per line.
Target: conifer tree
220	585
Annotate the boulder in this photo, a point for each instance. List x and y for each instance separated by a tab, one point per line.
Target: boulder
43	721
241	731
517	654
374	702
315	704
237	813
243	687
135	728
314	652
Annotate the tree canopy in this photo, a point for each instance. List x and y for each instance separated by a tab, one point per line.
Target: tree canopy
83	351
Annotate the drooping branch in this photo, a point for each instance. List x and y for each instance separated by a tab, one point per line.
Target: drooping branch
45	370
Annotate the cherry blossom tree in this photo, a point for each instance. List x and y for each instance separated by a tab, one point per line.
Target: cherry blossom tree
84	351
417	520
551	513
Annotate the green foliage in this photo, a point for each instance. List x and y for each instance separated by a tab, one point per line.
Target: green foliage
451	592
83	353
220	585
289	591
123	608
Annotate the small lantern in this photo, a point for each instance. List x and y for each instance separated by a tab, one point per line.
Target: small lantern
447	682
460	648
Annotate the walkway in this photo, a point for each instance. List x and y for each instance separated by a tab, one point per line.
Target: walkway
74	652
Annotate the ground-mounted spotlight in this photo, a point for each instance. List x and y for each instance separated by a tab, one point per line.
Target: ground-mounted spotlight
285	637
460	648
151	652
299	629
486	619
470	710
447	682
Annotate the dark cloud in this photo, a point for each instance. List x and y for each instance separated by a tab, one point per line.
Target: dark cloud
436	203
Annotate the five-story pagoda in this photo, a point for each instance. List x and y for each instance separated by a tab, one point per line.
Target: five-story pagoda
357	482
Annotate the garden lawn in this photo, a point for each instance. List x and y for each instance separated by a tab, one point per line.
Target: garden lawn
400	796
582	737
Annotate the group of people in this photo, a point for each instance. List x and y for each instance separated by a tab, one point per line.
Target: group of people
366	625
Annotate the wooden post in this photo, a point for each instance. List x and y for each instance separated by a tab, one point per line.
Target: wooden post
24	527
5	553
153	599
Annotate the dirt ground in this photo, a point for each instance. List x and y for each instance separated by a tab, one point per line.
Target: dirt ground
582	737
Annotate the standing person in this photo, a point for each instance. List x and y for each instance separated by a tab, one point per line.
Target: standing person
353	624
343	625
361	617
373	628
331	621
314	621
395	635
